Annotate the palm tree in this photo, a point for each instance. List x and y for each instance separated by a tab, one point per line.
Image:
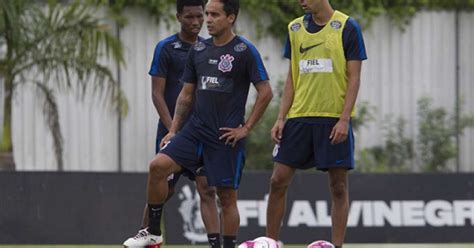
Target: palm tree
55	48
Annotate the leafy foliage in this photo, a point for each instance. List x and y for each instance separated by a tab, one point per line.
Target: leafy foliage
365	114
48	46
433	150
395	155
160	9
437	133
273	16
259	144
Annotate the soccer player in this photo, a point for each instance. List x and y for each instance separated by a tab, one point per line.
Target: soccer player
216	79
326	50
167	67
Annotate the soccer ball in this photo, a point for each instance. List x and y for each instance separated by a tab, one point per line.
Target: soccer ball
260	242
321	244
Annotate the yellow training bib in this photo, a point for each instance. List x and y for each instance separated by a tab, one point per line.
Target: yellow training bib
319	69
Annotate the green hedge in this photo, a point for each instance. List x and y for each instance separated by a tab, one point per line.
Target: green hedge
283	11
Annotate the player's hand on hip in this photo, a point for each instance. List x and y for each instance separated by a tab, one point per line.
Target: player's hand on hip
277	131
233	135
166	139
339	132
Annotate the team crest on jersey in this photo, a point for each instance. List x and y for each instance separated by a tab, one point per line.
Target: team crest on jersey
177	44
336	24
199	46
295	27
240	47
225	65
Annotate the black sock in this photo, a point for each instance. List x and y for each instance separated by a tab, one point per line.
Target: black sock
154	218
214	240
230	241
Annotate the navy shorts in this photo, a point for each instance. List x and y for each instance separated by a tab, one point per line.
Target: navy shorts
174	178
305	144
223	164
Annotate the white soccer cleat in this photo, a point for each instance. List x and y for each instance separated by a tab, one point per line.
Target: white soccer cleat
143	239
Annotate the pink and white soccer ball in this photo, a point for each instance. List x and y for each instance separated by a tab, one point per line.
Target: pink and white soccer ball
321	244
260	242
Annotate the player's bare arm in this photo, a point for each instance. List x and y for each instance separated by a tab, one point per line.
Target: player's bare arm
285	105
184	104
264	96
158	86
340	130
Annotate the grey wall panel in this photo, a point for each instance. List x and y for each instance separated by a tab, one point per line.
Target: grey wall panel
405	66
139	128
467	86
402	67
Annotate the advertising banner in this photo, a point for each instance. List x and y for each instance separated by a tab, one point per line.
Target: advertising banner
409	208
107	208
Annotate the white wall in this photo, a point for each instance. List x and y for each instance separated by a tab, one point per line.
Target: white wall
402	67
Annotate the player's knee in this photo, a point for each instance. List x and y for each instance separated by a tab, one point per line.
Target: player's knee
227	199
278	183
207	194
339	190
157	168
227	204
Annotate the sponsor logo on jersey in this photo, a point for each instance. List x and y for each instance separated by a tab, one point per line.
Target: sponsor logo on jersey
316	65
305	49
210	82
225	65
177	44
199	46
336	24
295	27
213	61
240	47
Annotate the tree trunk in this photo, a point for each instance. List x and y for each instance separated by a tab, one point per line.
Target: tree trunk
6	161
6	146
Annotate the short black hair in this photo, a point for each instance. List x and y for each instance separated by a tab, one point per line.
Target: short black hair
181	3
231	7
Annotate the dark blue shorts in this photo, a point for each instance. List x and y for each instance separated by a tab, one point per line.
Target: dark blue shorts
223	164
174	178
305	144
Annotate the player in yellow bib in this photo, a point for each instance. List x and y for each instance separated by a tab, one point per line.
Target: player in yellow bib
313	129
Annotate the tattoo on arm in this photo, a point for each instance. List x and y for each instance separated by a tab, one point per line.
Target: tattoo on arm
183	108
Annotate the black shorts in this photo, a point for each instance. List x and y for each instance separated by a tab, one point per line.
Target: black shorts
223	164
305	144
174	178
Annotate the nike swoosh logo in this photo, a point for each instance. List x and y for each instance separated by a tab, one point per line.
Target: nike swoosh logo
305	49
